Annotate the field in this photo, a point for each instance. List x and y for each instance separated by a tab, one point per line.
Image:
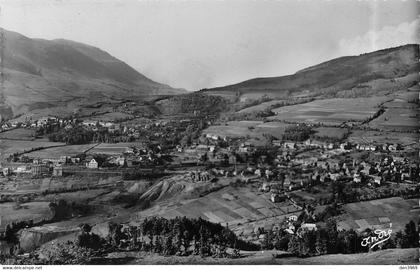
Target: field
113	148
37	211
331	132
111	116
57	152
253	129
242	208
260	107
330	111
381	137
400	114
8	147
397	119
18	134
379	214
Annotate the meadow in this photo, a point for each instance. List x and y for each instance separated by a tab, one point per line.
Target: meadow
241	208
57	152
8	147
379	214
251	129
330	111
18	134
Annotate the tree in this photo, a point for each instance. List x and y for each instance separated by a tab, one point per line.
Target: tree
411	236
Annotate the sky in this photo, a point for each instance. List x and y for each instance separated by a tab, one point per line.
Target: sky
204	44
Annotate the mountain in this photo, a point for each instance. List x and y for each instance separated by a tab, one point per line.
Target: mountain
341	74
43	73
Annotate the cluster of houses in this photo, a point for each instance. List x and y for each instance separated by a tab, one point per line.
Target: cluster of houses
198	176
387	147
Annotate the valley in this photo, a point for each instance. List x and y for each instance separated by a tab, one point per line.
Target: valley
330	151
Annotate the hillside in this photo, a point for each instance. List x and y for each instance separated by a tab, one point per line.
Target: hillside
366	71
46	73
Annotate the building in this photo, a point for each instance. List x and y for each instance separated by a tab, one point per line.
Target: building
92	164
39	169
58	171
120	161
7	171
308	227
275	198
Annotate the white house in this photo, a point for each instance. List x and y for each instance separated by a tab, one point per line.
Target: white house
92	164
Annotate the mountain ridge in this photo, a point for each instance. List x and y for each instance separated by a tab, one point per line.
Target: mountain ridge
345	72
39	71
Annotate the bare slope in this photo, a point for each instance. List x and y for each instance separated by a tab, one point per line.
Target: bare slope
42	73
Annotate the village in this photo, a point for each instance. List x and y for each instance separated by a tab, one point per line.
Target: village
298	173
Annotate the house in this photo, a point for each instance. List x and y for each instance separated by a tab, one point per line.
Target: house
120	161
308	227
75	160
58	170
92	164
39	169
64	159
392	148
265	187
275	198
292	218
7	171
289	145
357	178
277	142
22	169
287	183
334	176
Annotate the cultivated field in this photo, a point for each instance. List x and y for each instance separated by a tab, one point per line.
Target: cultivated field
330	111
111	116
8	147
18	134
379	214
36	211
253	129
381	137
260	107
243	209
57	152
331	132
401	114
113	148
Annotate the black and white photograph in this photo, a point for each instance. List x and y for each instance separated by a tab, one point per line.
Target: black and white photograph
205	132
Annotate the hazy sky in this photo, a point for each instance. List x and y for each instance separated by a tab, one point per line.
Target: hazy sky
197	44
